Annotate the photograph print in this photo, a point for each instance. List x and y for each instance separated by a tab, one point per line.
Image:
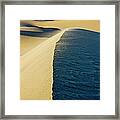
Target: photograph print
59	59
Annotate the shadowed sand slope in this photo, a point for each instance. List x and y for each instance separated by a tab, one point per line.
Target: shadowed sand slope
37	70
36	31
76	66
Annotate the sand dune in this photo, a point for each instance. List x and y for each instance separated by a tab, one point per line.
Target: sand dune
37	66
37	44
36	70
93	25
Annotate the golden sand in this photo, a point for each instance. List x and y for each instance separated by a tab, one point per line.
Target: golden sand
27	43
37	70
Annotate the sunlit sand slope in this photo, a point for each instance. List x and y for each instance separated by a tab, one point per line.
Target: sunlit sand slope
37	70
27	43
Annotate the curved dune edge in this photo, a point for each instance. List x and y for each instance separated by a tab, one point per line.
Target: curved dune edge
37	70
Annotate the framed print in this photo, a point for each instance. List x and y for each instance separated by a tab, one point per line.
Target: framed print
60	59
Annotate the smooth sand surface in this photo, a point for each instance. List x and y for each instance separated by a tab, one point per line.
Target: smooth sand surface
93	25
37	70
27	43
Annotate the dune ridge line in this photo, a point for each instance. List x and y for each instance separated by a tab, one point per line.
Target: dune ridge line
37	70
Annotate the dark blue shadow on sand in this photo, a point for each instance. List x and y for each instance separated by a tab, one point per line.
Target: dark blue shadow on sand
76	66
41	31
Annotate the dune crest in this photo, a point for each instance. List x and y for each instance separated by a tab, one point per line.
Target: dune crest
37	70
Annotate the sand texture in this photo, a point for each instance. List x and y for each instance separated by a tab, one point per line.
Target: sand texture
37	70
